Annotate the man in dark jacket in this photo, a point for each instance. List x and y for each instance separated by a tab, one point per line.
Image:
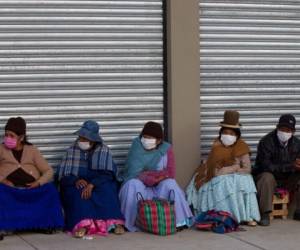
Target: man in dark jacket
278	164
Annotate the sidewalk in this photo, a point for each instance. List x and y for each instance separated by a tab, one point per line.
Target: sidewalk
281	235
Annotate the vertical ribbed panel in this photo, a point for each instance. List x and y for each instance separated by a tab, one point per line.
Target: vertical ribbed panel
250	62
63	62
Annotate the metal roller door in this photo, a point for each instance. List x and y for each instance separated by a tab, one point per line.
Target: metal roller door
250	61
63	62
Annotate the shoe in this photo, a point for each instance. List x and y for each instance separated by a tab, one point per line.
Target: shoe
119	229
181	228
1	237
80	233
46	231
297	215
251	223
265	220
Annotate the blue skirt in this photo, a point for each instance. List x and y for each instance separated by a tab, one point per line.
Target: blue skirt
104	203
233	193
25	209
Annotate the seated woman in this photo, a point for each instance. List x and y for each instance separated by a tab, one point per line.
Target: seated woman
150	170
28	201
224	182
88	184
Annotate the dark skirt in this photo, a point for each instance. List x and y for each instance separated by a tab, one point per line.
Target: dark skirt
26	209
103	205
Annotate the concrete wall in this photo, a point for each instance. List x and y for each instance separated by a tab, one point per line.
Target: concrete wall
183	75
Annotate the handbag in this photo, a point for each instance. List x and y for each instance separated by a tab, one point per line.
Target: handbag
156	216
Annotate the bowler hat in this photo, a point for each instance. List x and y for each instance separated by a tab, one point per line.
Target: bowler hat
231	119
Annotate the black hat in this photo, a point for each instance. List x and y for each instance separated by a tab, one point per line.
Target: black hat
287	120
16	125
153	129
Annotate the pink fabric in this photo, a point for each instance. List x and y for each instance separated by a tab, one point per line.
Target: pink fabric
97	227
281	193
152	178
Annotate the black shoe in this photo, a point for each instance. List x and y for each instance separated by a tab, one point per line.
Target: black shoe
297	215
265	220
181	228
46	231
1	237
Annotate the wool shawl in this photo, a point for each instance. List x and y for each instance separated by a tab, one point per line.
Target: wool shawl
75	158
219	156
140	159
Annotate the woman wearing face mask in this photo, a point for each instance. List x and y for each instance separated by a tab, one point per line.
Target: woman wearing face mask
88	184
150	170
28	200
224	181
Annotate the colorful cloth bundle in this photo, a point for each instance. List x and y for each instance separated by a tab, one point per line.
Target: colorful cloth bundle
281	193
218	221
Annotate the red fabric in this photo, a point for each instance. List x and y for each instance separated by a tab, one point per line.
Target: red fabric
154	219
281	193
152	178
168	218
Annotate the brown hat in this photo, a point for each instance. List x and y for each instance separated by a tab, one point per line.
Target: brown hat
16	125
231	119
153	129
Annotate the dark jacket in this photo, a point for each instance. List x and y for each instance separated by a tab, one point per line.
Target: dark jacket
273	157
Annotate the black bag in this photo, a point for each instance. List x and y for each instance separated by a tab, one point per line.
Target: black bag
20	178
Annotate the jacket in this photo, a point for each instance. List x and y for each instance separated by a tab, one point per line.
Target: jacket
275	158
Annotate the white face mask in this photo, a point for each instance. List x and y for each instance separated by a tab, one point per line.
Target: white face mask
84	145
148	143
228	140
283	136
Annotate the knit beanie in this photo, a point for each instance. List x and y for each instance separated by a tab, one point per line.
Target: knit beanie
16	125
153	129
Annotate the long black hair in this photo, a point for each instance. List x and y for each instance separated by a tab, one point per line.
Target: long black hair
25	141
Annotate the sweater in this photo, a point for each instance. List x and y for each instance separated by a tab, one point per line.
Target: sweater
32	162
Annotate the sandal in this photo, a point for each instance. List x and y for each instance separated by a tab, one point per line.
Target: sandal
119	229
252	223
80	233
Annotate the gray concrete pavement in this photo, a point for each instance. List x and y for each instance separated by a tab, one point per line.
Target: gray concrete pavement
281	235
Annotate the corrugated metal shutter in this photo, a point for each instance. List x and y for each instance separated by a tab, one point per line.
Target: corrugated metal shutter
250	61
63	62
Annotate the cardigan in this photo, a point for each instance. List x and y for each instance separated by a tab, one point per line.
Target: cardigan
32	162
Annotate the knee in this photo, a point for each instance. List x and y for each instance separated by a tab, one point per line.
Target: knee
168	183
267	179
134	184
